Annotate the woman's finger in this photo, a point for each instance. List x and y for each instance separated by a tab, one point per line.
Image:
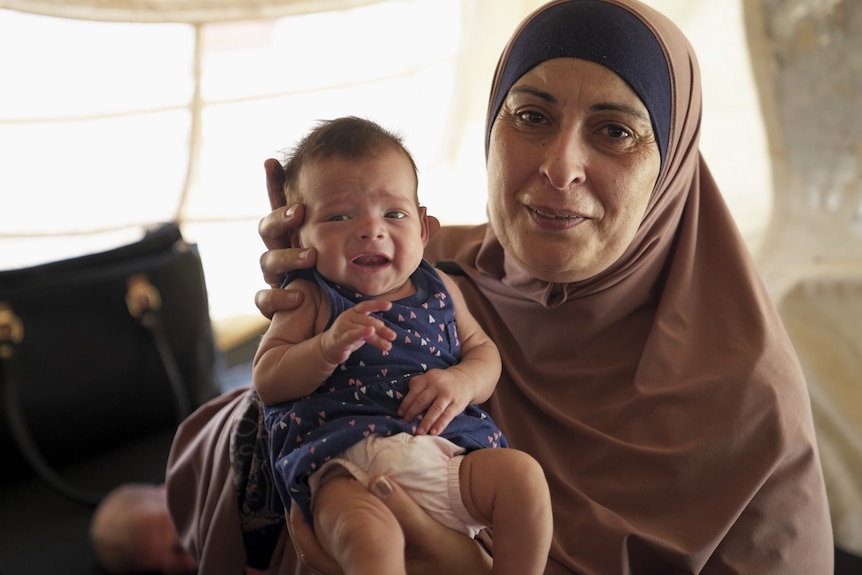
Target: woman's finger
269	301
275	227
275	264
274	183
431	547
308	549
414	521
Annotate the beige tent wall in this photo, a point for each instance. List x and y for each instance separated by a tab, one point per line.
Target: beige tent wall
808	60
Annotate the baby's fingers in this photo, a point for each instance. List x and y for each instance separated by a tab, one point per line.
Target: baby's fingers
370	306
412	406
439	415
382	336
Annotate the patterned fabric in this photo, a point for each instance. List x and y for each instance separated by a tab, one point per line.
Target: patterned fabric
261	512
362	395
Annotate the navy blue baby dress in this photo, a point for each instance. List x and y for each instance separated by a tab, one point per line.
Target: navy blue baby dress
362	395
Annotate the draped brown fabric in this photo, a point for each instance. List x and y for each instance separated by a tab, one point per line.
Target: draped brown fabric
203	496
662	397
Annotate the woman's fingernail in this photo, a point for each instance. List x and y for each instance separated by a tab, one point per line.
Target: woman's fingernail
381	488
303	255
288	213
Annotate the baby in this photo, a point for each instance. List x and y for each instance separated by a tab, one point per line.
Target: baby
371	375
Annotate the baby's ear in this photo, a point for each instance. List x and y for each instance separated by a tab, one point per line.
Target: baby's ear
430	225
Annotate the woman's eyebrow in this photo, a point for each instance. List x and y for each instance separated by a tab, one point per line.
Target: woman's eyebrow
624	108
603	106
530	91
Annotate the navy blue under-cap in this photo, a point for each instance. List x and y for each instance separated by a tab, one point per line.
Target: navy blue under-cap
603	33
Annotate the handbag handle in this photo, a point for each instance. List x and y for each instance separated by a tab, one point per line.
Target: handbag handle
144	304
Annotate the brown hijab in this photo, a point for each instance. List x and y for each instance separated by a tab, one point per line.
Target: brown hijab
662	396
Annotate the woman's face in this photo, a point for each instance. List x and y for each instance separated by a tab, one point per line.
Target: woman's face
572	162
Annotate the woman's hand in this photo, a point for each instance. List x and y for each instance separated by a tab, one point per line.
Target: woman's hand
280	258
308	549
431	548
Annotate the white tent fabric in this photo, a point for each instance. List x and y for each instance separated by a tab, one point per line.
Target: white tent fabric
107	126
189	11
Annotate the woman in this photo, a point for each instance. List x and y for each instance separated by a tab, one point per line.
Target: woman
644	364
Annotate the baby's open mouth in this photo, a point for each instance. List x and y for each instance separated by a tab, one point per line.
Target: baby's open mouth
371	260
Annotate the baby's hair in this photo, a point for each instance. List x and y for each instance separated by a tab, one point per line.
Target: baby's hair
348	137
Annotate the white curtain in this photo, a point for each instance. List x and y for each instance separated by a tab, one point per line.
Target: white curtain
108	126
167	112
189	11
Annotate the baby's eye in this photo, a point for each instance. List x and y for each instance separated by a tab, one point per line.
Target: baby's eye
396	215
338	218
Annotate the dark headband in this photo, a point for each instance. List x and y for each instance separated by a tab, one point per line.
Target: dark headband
603	33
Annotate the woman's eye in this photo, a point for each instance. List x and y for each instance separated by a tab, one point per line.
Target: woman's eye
530	117
396	215
618	132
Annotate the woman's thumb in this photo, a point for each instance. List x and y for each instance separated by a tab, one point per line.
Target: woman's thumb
412	518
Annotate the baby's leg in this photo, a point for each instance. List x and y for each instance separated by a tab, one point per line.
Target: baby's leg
357	530
506	489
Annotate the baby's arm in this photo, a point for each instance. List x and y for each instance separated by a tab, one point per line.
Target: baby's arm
295	356
441	394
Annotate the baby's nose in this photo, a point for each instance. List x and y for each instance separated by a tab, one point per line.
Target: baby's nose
372	228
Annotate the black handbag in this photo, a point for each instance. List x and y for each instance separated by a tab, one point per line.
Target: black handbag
99	350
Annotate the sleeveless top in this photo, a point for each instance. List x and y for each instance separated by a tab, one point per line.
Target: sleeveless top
362	395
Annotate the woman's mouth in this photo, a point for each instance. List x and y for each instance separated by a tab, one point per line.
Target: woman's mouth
545	214
555	219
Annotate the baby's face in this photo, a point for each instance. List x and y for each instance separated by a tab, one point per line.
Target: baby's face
363	219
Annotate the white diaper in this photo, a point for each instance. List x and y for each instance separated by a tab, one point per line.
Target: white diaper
425	466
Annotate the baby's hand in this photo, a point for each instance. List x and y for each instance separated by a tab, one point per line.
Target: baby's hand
354	328
440	394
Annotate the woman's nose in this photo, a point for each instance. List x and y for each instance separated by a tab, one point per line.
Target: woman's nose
565	161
